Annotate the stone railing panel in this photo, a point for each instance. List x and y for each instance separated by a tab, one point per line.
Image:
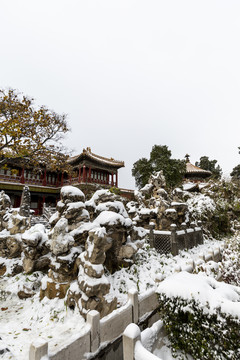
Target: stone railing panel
113	325
74	350
147	304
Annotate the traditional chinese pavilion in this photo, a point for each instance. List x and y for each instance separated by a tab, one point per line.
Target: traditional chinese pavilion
195	173
88	168
92	168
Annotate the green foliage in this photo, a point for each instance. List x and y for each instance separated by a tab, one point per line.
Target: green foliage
160	159
194	330
142	169
210	165
115	190
236	172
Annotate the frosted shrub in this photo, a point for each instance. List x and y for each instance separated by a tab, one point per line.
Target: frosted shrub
194	330
230	265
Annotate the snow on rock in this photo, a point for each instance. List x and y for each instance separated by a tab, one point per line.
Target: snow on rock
75	205
100	196
108	218
61	241
170	211
72	193
116	206
54	218
189	186
147	211
35	235
131	207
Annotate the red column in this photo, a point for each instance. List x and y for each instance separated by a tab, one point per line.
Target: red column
84	173
79	175
108	178
57	183
89	174
44	182
22	180
112	180
43	202
116	179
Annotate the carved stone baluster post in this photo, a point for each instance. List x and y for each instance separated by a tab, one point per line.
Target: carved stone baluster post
194	240
151	234
174	244
184	228
200	239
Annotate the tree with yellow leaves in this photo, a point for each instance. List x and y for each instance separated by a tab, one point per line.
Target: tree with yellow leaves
29	133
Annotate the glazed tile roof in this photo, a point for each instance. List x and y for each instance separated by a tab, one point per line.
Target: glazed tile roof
190	168
87	153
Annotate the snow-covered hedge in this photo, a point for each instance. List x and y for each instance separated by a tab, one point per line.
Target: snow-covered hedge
201	316
230	264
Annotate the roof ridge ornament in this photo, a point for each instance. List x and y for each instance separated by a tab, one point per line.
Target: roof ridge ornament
187	157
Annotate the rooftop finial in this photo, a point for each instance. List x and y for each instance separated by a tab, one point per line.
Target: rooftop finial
187	156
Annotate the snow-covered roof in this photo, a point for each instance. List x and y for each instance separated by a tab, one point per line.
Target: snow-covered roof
87	154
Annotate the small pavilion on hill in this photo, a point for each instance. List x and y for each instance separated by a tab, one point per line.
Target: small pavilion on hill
195	173
92	168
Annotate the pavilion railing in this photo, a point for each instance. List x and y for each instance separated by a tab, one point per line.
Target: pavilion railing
40	182
174	240
27	181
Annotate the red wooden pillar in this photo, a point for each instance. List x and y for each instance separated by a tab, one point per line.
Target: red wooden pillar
57	183
79	175
89	174
112	180
84	173
116	179
44	182
43	202
108	178
22	180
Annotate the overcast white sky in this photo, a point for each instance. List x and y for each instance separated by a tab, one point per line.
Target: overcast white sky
131	74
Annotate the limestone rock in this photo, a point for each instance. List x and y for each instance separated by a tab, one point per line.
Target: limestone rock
3	269
127	251
5	202
103	306
53	290
61	241
28	265
14	247
158	180
71	194
73	296
25	202
25	293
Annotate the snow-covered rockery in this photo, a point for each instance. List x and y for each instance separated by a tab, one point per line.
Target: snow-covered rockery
154	204
86	239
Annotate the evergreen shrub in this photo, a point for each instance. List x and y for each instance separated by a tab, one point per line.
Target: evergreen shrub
192	328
